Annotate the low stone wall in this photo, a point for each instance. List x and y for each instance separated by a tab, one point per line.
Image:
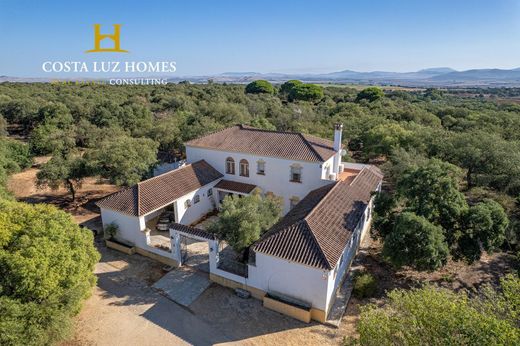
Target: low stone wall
318	315
301	314
314	314
129	250
163	259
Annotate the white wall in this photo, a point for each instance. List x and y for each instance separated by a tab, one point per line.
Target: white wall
327	168
273	274
196	211
277	172
129	226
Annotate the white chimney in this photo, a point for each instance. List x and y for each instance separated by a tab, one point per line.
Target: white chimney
338	129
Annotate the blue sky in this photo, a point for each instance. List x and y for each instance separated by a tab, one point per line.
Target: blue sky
209	37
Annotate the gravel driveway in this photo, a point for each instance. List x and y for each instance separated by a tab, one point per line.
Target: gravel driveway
125	310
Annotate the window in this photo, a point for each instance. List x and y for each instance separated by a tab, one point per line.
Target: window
296	173
244	168
230	165
187	204
196	199
260	167
293	201
210	192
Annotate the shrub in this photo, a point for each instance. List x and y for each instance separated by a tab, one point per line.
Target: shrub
365	285
110	231
434	316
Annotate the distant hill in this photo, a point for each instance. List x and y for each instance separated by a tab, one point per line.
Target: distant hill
429	77
435	77
490	75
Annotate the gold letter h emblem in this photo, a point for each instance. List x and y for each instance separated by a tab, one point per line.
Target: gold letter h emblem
98	37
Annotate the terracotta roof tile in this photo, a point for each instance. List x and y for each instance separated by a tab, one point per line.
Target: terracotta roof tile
161	190
289	145
317	230
235	186
193	230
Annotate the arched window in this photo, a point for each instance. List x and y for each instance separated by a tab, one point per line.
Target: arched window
230	165
244	168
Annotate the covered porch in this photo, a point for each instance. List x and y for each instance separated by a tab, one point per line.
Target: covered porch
157	224
228	187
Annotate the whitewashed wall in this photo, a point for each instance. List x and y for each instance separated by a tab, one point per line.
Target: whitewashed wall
187	216
327	168
277	172
273	274
129	226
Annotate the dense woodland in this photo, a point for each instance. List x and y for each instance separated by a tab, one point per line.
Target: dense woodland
451	157
120	132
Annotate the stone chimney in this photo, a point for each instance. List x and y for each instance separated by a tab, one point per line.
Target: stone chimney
338	129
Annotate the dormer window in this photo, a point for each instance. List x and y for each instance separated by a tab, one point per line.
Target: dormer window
230	165
296	173
260	167
244	168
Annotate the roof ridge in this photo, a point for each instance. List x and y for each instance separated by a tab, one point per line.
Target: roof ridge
366	168
138	201
249	127
311	147
170	171
109	196
312	212
314	237
211	133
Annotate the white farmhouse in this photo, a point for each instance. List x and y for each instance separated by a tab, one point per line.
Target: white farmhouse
298	265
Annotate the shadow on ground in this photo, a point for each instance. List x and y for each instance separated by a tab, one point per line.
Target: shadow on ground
217	316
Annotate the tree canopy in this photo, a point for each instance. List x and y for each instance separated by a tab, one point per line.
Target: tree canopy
370	94
123	160
306	92
46	264
477	130
260	87
68	171
428	218
243	220
434	316
416	242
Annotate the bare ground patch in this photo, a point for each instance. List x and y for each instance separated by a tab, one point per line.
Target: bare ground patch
83	209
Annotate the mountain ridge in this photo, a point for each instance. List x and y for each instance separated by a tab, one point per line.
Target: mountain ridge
428	77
